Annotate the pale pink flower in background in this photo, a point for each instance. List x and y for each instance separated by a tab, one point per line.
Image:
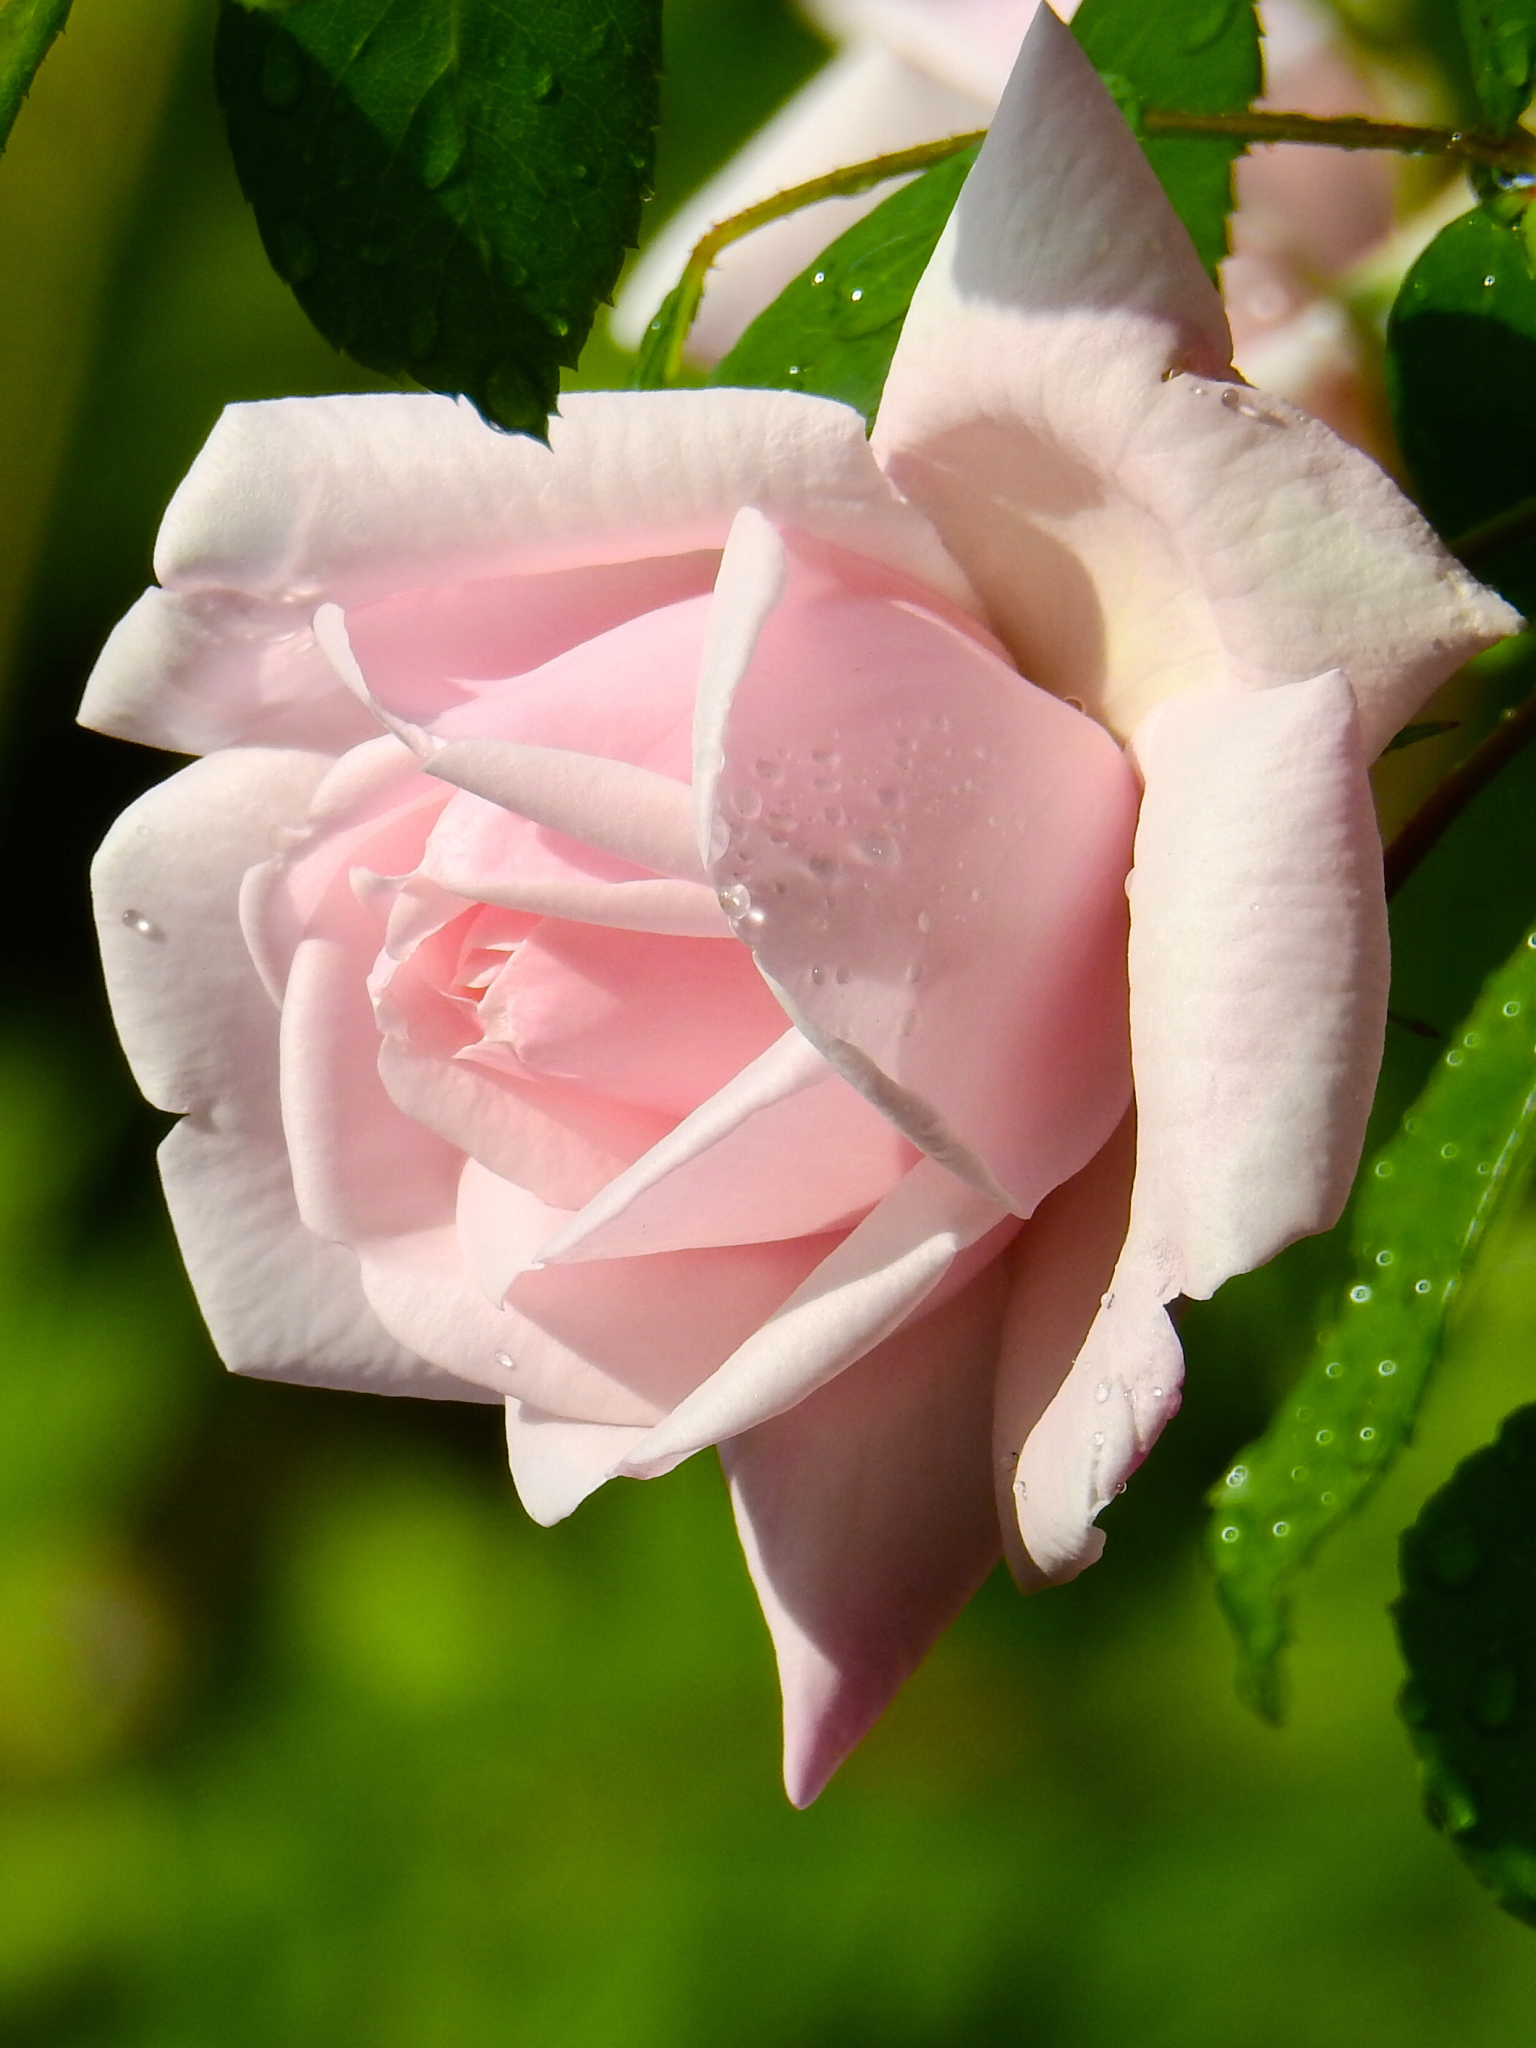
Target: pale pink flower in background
911	71
647	940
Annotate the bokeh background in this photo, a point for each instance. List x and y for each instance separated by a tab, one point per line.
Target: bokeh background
308	1736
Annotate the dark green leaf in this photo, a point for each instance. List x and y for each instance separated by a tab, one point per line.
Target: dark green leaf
1461	374
1422	1205
834	329
1187	57
447	185
1466	1621
27	28
1501	43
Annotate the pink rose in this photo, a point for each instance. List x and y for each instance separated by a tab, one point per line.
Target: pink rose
636	947
911	71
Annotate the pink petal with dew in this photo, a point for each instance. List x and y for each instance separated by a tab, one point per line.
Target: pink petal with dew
785	1149
201	1036
1258	1001
1060	1269
621	1341
1138	527
867	1518
866	1287
927	855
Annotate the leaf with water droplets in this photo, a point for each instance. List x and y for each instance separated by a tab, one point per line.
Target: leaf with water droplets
1422	1206
27	30
1464	1623
834	329
447	185
1186	57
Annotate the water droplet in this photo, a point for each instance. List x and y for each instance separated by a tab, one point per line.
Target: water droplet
1334	1369
1325	1436
855	296
1472	1038
767	770
1422	1286
298	253
1230	1535
735	900
978	895
880	847
1384	1169
136	921
1298	1471
1282	1529
843	976
1097	1438
746	801
1101	1391
1238	1476
504	1359
1511	1009
891	798
818	975
1359	1294
1387	1367
1236	398
914	970
1327	1499
1455	1059
1367	1435
1157	1393
1488	284
1383	1258
924	921
823	867
1449	1151
820	277
282	74
422	338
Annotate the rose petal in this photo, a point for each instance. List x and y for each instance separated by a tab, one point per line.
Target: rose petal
555	1464
1258	1000
927	855
867	1518
1137	532
857	1296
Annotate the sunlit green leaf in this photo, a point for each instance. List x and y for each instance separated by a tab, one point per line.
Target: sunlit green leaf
1501	43
1182	56
447	185
1422	1206
1461	375
1467	1624
834	329
27	28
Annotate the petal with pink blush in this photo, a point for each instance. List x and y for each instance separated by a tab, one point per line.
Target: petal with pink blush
785	1149
1136	532
555	1464
858	1295
659	1022
867	1517
1060	1271
1258	999
927	855
202	1037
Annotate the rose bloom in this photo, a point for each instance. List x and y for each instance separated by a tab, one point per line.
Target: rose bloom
911	71
647	940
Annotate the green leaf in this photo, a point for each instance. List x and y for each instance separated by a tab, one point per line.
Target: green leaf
447	185
1187	57
1421	1207
27	28
1461	376
1414	735
834	328
1501	43
1465	1623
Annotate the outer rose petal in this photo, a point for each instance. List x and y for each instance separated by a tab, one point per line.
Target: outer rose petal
201	1034
355	499
867	1518
1258	999
556	1464
1138	533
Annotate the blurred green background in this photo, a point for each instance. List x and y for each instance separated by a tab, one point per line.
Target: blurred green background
307	1736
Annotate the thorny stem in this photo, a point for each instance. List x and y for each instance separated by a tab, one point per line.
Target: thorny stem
1515	153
